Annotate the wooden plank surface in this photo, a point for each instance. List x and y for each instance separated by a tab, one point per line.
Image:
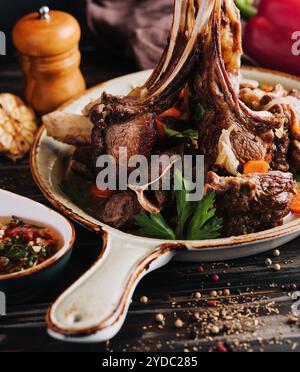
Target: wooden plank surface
253	317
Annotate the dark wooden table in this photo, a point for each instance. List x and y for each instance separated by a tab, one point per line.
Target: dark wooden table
253	317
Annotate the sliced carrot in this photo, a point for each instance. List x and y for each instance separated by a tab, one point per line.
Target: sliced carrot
295	205
267	88
160	126
182	94
171	113
101	193
256	166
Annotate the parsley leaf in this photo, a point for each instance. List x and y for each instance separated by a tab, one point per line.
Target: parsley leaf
187	134
195	221
203	222
154	225
199	114
184	207
297	178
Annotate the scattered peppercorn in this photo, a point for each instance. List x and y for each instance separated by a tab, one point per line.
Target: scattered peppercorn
215	330
268	262
276	253
144	300
196	316
216	278
214	294
277	267
178	323
226	292
200	269
221	348
198	295
159	318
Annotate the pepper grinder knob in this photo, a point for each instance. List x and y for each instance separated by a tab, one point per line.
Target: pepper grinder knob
44	12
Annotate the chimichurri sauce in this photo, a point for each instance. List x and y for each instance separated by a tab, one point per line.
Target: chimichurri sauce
24	246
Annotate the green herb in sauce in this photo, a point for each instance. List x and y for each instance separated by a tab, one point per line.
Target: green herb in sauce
24	246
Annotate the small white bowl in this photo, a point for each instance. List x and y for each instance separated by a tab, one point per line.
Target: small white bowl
23	286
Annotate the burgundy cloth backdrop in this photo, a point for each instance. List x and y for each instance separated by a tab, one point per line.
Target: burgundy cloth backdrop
136	29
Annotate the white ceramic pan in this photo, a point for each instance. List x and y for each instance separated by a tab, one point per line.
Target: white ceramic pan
95	307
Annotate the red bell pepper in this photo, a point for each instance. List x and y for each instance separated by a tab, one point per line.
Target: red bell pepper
272	35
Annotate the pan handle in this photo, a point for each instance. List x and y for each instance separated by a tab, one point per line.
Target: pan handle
95	307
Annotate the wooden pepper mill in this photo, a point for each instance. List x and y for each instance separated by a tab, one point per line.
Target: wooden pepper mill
48	42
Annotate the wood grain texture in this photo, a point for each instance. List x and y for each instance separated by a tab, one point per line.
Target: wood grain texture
255	288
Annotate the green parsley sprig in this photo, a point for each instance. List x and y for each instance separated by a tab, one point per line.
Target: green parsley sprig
195	220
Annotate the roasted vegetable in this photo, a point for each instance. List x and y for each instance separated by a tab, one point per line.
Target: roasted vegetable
256	166
272	33
17	127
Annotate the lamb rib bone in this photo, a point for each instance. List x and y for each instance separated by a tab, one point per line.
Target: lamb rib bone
216	87
118	118
163	87
68	128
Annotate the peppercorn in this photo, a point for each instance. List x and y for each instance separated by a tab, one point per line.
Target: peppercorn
178	323
277	267
276	253
215	330
268	262
226	292
216	278
221	348
159	318
144	300
198	296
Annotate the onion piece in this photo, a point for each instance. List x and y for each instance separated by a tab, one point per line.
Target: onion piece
226	157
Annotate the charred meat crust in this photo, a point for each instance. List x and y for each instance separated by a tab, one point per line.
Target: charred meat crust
119	210
217	83
252	203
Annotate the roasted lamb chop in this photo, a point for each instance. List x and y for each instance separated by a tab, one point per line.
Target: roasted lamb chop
252	203
242	122
130	121
286	145
231	133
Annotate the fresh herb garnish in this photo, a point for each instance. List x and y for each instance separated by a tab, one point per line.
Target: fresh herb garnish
204	224
195	220
184	207
23	246
187	134
199	113
297	178
155	226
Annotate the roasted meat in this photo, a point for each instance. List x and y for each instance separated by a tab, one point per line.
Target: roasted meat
252	203
119	209
242	121
286	145
230	134
118	120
